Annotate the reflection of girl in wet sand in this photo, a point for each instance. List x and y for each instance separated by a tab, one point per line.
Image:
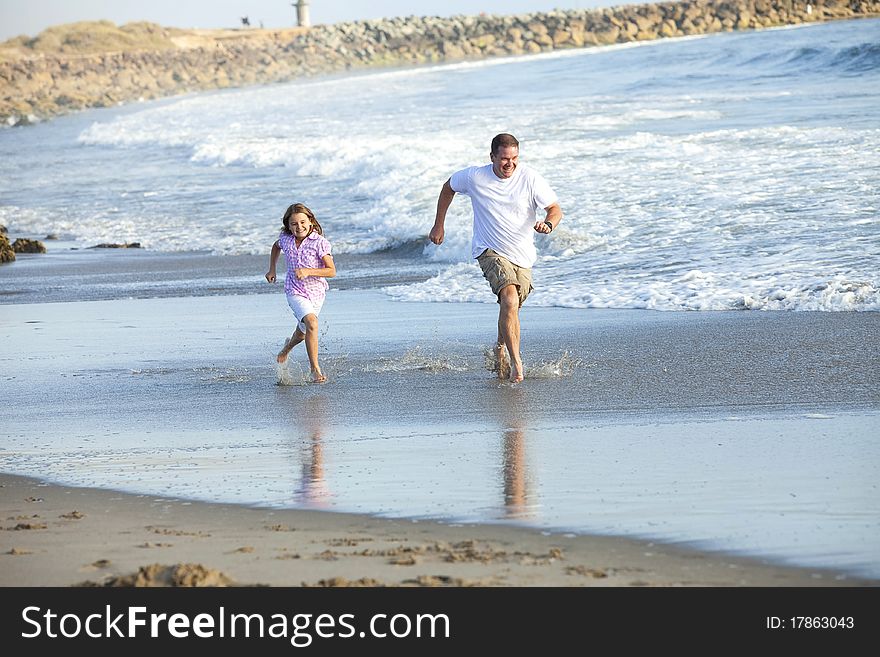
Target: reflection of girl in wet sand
309	263
313	489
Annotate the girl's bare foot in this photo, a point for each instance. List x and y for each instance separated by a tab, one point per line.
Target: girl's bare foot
289	344
501	362
318	377
282	355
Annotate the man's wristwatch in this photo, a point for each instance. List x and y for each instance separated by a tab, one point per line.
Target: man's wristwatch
549	224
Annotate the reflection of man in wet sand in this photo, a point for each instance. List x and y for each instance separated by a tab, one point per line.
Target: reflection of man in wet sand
505	197
510	406
516	497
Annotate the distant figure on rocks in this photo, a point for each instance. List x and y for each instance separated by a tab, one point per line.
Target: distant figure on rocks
309	263
505	197
245	21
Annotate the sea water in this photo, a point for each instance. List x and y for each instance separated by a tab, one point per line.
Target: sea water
730	171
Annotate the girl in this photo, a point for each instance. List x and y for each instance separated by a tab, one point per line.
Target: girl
309	263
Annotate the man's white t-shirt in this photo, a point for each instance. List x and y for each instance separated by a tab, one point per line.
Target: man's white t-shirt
504	210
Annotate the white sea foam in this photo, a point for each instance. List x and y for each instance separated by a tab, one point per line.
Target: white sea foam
461	282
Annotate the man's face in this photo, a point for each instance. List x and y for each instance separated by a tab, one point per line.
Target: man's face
504	161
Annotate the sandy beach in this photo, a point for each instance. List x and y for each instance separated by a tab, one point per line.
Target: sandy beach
62	536
643	448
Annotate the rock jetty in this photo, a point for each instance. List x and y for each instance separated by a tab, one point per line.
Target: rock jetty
64	70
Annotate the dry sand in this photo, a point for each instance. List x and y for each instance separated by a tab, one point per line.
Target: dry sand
59	536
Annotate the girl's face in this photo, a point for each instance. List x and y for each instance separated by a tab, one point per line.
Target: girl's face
300	225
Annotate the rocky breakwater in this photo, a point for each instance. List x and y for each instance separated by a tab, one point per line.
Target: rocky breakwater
45	76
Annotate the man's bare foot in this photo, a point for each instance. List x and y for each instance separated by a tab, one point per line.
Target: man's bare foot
318	377
516	371
501	362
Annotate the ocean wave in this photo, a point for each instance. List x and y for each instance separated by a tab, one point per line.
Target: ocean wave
861	58
857	59
644	116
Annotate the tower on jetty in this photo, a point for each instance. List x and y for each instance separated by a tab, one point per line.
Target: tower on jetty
302	13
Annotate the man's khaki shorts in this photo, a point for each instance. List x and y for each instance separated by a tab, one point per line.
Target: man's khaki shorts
501	272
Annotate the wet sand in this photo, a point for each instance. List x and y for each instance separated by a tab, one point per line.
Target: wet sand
62	536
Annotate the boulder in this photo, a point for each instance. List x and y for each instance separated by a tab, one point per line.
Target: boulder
6	252
123	245
607	35
22	245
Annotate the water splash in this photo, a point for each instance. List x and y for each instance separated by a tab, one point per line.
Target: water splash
285	377
416	359
229	375
563	366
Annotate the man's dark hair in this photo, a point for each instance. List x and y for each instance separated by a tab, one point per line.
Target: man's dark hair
503	141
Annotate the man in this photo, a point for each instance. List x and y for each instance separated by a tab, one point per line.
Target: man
505	197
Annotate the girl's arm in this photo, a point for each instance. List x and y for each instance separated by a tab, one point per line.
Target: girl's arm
273	258
327	271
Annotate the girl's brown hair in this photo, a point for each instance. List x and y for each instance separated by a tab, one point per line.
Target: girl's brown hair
299	208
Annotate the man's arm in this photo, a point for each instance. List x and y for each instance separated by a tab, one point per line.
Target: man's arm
443	202
553	217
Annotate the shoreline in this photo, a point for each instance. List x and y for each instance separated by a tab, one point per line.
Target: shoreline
114	274
87	65
64	536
